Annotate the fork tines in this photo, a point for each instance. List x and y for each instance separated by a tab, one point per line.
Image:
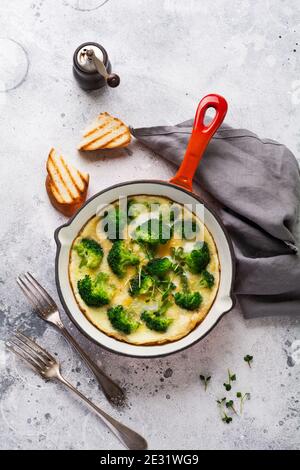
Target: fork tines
36	294
36	356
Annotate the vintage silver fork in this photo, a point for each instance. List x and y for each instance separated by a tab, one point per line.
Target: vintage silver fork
48	367
48	311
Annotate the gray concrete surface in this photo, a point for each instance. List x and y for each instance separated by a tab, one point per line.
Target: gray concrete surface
169	53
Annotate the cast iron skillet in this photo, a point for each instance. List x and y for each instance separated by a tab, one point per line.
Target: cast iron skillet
178	189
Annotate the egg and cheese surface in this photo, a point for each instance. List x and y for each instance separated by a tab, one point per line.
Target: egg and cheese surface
145	273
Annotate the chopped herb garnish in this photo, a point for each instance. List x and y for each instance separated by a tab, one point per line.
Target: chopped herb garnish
170	286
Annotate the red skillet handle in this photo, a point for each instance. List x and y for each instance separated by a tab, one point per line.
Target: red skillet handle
199	139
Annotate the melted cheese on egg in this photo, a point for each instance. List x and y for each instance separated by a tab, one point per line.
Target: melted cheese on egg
184	321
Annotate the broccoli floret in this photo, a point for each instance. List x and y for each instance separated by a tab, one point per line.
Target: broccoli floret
153	232
122	320
159	267
135	208
90	252
156	320
140	284
119	257
186	228
114	222
207	280
188	300
95	292
197	260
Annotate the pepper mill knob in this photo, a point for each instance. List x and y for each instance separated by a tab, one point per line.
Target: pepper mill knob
113	80
92	68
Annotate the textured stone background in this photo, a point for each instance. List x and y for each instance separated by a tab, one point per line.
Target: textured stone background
169	54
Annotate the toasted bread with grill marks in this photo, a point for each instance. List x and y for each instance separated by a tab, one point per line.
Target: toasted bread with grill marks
66	186
106	132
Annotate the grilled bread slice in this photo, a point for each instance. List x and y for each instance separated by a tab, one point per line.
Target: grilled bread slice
66	186
106	132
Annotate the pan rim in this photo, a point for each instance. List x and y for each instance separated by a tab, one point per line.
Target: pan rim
127	183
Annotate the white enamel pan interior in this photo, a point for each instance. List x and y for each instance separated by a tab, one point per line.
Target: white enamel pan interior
65	235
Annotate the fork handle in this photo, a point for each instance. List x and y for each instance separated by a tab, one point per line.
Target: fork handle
112	391
131	439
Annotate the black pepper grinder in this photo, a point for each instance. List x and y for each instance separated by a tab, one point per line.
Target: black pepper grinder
92	68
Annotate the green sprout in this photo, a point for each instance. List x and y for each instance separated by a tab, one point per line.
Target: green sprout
248	359
205	380
242	397
229	404
221	401
225	418
231	378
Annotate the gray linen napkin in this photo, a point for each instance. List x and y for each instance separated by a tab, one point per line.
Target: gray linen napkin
255	186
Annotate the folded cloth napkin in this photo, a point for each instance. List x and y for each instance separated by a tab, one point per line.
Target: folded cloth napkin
255	186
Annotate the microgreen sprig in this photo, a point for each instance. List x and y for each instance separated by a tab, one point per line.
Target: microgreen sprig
248	359
221	401
170	286
242	397
205	380
229	404
225	418
231	378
